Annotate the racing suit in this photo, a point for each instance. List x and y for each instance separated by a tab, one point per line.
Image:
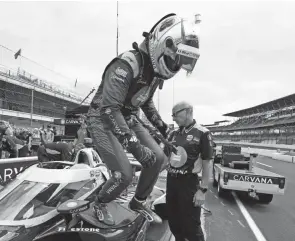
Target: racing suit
55	151
128	83
15	146
183	182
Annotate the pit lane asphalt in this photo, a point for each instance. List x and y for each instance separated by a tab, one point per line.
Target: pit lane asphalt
276	220
226	222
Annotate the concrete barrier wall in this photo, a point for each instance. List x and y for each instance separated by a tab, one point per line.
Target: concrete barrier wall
276	152
260	145
285	158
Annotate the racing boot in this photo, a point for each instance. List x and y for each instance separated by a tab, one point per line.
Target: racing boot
141	207
102	213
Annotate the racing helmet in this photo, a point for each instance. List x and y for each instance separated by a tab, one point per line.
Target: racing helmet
173	44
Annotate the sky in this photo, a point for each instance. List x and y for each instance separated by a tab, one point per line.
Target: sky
247	48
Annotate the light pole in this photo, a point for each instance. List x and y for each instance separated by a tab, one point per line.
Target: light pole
117	45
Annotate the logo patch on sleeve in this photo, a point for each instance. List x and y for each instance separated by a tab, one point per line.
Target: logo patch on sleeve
121	72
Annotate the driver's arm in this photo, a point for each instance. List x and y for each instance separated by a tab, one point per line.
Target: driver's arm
151	112
117	80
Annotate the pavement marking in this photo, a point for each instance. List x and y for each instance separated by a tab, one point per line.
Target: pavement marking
259	236
241	224
230	212
215	196
203	224
264	164
210	191
222	203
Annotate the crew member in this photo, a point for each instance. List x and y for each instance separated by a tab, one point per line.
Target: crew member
47	135
185	193
55	151
14	146
82	132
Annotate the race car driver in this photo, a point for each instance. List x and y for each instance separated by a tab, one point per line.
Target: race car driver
129	83
185	194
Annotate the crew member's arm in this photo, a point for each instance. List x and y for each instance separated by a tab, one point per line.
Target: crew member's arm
206	155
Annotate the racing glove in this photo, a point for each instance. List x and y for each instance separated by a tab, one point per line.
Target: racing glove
145	156
169	148
162	127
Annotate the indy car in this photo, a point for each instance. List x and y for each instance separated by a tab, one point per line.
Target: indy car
54	200
235	171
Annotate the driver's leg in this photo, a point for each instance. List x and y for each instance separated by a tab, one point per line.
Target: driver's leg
112	153
148	176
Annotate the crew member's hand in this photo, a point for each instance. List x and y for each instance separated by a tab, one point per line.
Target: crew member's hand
199	198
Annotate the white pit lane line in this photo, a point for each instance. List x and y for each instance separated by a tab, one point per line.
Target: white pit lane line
230	212
264	164
259	236
203	224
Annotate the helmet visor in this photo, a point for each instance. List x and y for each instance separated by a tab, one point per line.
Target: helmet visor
184	51
183	56
188	56
188	49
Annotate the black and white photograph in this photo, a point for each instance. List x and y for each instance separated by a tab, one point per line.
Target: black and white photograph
147	120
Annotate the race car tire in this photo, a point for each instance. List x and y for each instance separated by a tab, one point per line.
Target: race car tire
265	198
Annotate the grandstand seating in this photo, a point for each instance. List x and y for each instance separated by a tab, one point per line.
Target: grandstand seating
18	98
274	126
23	76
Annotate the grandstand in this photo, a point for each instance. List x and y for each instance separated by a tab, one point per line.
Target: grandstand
27	100
272	122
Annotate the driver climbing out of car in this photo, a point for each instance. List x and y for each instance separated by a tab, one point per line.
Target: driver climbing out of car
128	83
